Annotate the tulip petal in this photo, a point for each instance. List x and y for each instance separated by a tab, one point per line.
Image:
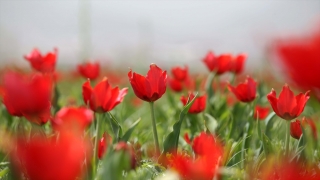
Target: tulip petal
286	102
86	92
273	101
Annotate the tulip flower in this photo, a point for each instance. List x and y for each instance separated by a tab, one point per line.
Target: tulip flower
104	142
89	70
245	92
51	158
72	117
198	105
261	112
220	64
299	60
205	165
151	87
175	85
179	73
287	106
28	96
102	98
295	129
237	63
44	64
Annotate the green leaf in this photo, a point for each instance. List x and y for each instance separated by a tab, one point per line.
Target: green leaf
171	141
127	135
269	121
267	146
115	126
113	165
211	123
4	172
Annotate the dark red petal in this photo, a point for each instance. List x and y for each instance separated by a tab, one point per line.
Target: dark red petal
86	92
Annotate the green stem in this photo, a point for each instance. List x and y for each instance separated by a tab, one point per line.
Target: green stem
95	152
154	127
287	137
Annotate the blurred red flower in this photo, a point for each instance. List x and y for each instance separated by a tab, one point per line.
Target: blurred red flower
209	153
237	63
89	70
260	111
198	105
245	92
51	158
282	169
151	87
102	98
44	64
104	142
287	106
28	96
72	118
179	73
175	85
220	64
300	60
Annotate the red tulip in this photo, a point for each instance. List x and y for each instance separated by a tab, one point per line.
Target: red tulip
89	70
28	96
175	85
237	63
104	142
245	92
295	129
72	117
44	64
262	112
205	165
287	106
179	73
198	105
220	64
51	158
151	87
102	98
187	138
207	145
300	60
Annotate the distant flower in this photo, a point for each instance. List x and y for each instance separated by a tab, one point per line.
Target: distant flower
237	63
261	112
151	87
179	73
220	64
72	118
44	64
122	146
198	105
287	106
245	92
89	70
104	142
175	85
28	96
102	98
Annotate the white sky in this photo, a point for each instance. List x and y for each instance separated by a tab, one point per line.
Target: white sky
153	31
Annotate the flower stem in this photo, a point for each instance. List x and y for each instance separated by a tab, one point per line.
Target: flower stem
287	137
95	152
154	127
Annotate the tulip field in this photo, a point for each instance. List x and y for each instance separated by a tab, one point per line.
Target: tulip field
218	123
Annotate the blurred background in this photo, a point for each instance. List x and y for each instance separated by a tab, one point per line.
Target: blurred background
164	32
